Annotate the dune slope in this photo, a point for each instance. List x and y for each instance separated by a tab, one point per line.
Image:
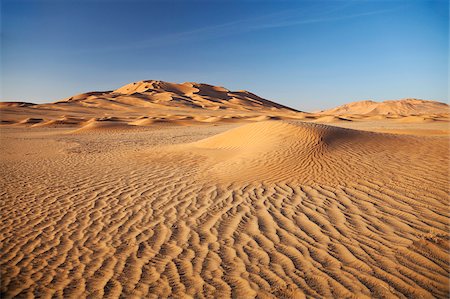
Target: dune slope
274	151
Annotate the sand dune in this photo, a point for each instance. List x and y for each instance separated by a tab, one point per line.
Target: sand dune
378	117
31	120
102	125
330	119
167	190
270	209
302	152
401	107
263	118
64	121
150	121
165	103
172	120
15	104
157	94
415	119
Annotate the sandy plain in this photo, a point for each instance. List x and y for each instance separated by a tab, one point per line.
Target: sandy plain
224	205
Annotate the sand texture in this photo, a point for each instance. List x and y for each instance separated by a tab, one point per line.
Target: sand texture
165	190
272	209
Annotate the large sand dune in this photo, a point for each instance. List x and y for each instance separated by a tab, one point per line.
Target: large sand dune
157	94
271	209
398	107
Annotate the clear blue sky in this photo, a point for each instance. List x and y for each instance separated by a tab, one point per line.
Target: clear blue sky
306	54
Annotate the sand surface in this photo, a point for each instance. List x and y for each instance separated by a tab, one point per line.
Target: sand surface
199	207
167	190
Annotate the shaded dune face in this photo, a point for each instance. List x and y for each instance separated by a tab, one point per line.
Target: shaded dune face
15	104
274	151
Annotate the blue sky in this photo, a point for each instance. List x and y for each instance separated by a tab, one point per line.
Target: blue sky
306	54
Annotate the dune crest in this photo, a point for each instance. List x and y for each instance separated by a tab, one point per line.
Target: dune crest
15	104
153	93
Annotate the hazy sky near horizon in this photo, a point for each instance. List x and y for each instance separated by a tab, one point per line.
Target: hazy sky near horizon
309	55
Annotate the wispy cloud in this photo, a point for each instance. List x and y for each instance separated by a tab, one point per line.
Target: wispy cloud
281	19
320	20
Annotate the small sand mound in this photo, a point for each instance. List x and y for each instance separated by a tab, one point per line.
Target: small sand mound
211	119
103	125
65	121
292	150
377	117
31	121
277	149
302	116
415	119
183	117
107	118
234	117
331	119
270	133
217	119
154	121
143	122
263	118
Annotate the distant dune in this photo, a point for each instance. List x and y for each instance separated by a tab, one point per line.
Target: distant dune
151	104
397	107
157	94
15	104
158	101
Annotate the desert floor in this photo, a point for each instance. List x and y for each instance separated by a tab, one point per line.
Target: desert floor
263	209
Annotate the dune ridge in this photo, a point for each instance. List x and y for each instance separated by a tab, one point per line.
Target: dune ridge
15	104
397	107
153	93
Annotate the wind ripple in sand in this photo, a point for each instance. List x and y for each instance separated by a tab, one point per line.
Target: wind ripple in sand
121	224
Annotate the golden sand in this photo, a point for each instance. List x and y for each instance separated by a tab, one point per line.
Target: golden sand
227	203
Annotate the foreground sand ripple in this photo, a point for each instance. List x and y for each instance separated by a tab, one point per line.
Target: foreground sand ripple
132	219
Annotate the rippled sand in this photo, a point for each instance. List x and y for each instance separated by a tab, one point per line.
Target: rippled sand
268	209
